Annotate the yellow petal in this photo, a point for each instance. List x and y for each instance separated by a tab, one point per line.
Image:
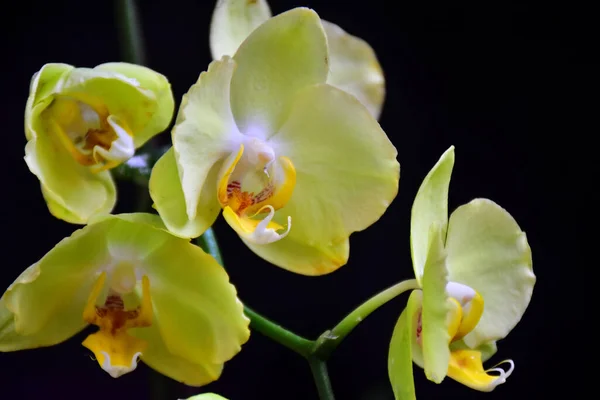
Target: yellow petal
115	349
284	180
471	317
225	174
454	318
117	354
278	179
466	367
257	231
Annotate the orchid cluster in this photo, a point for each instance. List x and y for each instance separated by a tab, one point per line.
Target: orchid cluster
280	134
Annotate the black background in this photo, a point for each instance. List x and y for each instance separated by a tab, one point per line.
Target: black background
501	82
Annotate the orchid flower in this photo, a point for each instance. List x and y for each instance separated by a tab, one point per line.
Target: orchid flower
476	278
153	296
295	164
81	122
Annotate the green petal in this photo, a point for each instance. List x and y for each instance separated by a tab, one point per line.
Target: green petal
122	96
197	311
232	22
489	252
280	57
44	84
160	358
204	131
354	68
206	396
436	353
157	84
346	177
167	194
301	256
72	191
44	305
430	205
400	363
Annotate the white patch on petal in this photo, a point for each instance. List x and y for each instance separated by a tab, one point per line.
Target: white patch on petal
123	277
118	370
256	131
127	79
264	235
258	152
89	116
121	149
462	293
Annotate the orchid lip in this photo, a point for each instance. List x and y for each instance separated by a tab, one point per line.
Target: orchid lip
116	351
93	137
254	181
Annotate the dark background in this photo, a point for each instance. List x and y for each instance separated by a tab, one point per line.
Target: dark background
503	83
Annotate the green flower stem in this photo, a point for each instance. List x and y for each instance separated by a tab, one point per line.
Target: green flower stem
208	243
330	340
279	334
321	376
131	38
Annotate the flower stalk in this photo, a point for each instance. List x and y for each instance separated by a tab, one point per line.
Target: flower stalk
130	32
330	340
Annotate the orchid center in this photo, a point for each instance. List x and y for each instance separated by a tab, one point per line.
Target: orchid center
117	351
466	365
92	136
254	182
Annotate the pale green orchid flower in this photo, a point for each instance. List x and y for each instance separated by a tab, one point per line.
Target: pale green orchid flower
353	65
262	131
152	295
479	256
81	122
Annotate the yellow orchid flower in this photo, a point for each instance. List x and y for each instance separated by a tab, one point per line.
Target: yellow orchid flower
81	122
476	278
353	65
152	296
295	164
